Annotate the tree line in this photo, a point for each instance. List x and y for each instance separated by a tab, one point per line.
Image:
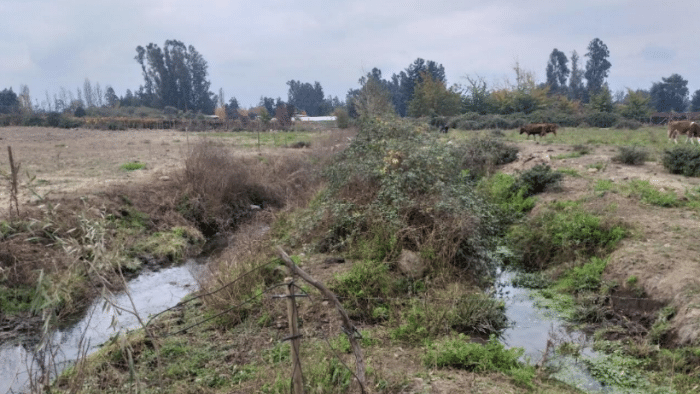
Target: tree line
176	78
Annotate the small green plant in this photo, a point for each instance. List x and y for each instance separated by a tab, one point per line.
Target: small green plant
618	370
600	166
651	195
133	166
583	278
603	185
662	324
632	155
361	287
278	353
531	280
570	172
459	352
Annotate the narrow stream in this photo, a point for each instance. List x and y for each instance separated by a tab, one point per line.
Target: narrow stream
534	327
151	292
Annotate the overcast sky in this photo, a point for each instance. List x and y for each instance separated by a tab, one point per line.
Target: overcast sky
253	48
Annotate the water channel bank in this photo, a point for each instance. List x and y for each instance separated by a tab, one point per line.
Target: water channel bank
150	292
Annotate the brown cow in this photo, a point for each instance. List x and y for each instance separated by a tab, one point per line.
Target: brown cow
689	128
540	129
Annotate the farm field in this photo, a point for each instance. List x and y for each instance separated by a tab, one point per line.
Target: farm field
84	172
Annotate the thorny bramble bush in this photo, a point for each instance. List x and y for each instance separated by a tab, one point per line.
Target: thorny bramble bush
421	191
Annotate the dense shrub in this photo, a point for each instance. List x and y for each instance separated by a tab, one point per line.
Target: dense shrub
602	119
53	119
397	186
482	155
33	120
632	155
537	180
342	118
628	124
683	160
79	112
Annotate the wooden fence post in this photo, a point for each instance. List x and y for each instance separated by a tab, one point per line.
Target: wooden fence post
348	327
297	382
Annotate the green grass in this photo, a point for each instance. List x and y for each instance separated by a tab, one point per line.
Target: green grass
132	166
570	172
653	138
564	232
460	353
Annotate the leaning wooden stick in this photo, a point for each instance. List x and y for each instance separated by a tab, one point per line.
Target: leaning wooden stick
348	326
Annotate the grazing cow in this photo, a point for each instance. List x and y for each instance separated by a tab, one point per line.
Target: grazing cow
540	129
690	129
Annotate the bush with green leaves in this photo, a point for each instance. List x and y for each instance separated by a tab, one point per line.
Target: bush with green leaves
683	159
629	124
602	119
399	186
564	232
362	288
460	352
632	155
501	189
537	180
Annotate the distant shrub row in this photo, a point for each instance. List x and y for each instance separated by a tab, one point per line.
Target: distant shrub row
52	119
474	121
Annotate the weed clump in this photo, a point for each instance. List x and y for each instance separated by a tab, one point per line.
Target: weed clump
133	166
493	356
219	189
684	160
563	232
631	155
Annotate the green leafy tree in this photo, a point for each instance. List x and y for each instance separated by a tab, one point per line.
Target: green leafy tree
111	97
306	97
477	97
695	101
175	76
597	66
557	72
268	103
372	99
431	97
670	94
232	109
636	105
9	102
602	102
403	85
576	88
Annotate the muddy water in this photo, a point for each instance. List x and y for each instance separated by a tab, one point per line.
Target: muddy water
151	293
534	327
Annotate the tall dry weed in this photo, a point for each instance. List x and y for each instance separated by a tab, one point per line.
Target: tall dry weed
221	187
